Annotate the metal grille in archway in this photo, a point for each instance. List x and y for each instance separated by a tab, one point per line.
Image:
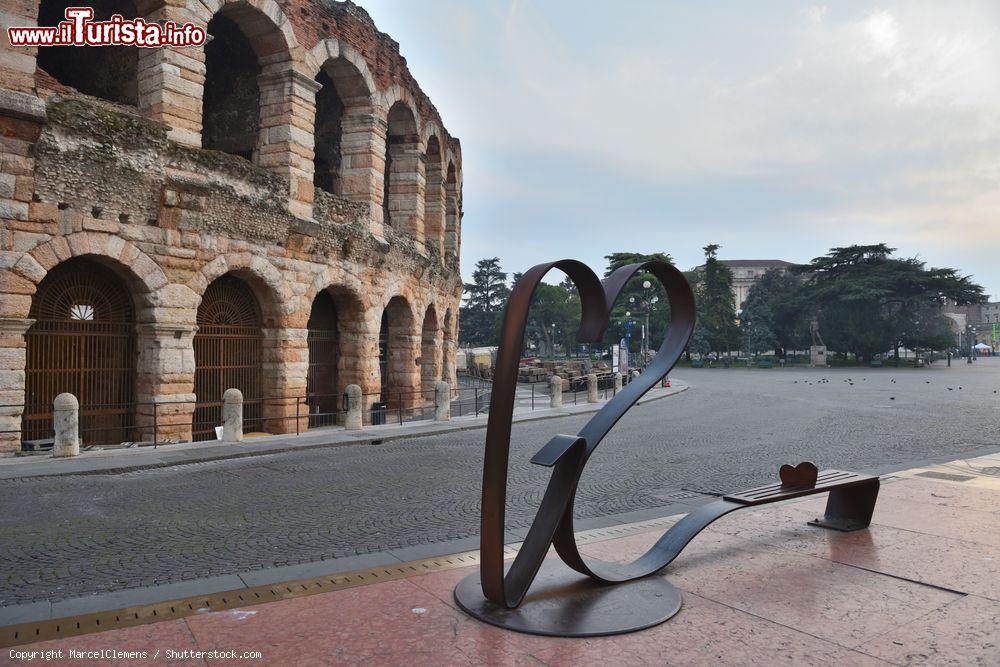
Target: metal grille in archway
82	342
322	381
383	357
227	354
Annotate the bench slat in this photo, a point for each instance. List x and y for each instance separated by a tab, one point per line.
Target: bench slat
825	481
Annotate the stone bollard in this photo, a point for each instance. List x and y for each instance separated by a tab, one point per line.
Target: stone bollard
66	422
353	420
592	388
232	416
618	382
442	402
555	390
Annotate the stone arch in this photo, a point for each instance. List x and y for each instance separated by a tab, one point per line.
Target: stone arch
260	274
452	210
430	352
449	348
399	349
205	10
82	340
332	49
397	94
229	352
342	126
144	273
403	198
434	193
108	72
342	347
250	38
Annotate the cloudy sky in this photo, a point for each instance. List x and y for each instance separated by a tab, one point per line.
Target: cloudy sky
776	130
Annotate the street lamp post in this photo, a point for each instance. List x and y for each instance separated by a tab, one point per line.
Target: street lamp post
647	305
970	337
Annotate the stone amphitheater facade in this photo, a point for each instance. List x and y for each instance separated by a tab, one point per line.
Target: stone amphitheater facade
278	210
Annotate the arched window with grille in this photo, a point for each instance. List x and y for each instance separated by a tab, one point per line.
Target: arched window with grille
227	355
82	342
322	380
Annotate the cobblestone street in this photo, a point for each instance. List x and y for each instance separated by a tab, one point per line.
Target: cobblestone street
62	537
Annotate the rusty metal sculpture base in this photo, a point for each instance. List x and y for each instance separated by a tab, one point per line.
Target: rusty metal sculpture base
564	603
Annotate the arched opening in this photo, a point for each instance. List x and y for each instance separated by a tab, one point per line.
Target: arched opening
401	188
108	72
322	381
430	345
227	354
342	87
82	342
434	197
452	210
396	355
448	351
231	100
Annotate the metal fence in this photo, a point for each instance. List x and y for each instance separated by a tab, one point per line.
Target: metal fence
156	423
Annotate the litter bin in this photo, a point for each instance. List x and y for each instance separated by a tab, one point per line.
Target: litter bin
378	413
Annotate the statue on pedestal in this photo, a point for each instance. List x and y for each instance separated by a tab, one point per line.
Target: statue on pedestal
817	351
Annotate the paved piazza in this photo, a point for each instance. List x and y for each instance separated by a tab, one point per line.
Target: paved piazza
62	537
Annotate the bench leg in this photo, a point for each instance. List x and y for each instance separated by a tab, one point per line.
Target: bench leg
849	508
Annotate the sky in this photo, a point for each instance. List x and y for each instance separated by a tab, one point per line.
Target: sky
775	129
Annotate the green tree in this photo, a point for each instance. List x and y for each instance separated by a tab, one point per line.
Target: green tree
714	296
638	300
868	302
553	318
757	328
775	312
485	298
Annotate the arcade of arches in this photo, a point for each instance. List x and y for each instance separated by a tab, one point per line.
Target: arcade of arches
320	122
277	211
84	336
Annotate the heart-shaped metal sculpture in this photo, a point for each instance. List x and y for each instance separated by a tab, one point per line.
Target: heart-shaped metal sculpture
566	454
574	606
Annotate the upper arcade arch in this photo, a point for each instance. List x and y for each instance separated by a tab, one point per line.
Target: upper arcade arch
108	72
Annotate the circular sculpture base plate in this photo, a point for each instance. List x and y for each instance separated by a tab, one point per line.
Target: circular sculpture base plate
565	603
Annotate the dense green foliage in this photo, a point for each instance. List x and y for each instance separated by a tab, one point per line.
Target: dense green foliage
485	298
866	302
772	318
713	292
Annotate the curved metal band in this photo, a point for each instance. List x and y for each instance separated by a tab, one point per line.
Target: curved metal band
553	523
509	591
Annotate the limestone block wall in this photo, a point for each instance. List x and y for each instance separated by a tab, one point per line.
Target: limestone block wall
131	188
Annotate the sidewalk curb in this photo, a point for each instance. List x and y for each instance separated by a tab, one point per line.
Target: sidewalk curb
92	465
124	598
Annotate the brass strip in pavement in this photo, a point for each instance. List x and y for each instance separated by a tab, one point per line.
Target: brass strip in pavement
72	626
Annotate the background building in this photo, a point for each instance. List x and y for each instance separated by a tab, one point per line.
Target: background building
978	323
278	211
747	271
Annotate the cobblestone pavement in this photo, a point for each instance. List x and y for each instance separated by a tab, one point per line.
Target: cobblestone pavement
62	537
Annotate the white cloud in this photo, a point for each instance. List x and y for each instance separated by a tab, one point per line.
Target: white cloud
856	120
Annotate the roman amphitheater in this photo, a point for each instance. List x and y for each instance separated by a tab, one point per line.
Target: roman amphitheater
277	211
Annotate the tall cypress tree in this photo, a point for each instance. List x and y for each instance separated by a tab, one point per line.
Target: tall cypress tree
485	298
716	311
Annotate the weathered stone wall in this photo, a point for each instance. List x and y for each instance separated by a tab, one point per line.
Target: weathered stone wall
131	188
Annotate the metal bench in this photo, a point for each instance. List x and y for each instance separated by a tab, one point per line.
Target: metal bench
849	507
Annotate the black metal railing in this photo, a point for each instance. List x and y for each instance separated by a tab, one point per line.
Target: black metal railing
156	423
